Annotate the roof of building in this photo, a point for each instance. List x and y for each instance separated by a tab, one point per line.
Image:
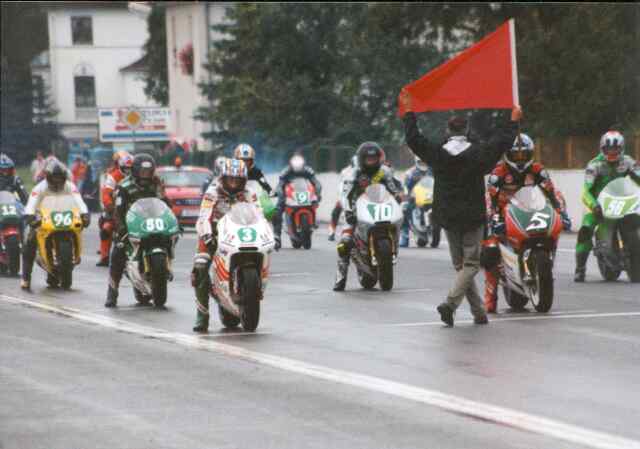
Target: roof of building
139	65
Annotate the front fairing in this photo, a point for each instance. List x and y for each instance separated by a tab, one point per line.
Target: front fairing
529	215
151	226
11	210
619	198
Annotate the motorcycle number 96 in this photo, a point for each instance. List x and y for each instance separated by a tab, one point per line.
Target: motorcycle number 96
61	219
8	210
154	224
538	221
381	212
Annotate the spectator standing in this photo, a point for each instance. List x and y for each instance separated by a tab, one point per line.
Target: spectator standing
459	167
37	165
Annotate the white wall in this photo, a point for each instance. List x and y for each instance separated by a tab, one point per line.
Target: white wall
133	90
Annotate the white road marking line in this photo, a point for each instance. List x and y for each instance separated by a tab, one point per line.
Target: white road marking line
443	401
549	316
284	275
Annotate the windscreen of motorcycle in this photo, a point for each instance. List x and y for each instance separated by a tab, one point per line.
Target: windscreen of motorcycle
619	198
150	215
530	198
377	205
244	214
301	193
59	203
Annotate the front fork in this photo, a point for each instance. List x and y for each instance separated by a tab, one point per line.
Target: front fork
372	247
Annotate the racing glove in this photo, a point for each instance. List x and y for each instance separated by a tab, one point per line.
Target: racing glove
566	221
86	220
210	242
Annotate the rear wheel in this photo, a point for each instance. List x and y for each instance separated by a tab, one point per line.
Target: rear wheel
542	298
306	232
385	264
249	302
514	299
158	266
609	273
421	242
13	254
65	260
227	319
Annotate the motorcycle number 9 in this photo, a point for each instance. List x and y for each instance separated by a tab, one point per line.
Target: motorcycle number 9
381	212
62	219
538	221
9	210
154	224
615	207
302	197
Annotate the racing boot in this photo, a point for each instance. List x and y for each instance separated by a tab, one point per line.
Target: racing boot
25	283
490	291
581	266
202	315
332	233
341	275
112	297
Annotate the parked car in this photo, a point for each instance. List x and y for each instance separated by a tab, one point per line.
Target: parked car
183	188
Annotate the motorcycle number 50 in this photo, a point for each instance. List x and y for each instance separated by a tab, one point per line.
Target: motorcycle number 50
154	224
381	212
538	221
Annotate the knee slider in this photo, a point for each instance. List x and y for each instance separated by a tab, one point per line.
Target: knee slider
344	247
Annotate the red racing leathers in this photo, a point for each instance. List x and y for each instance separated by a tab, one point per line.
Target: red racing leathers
107	222
503	183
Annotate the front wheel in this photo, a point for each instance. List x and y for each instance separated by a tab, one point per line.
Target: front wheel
384	256
366	280
13	254
65	261
421	242
249	302
608	273
141	298
542	299
305	232
159	275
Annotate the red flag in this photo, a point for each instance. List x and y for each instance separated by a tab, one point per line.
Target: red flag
483	76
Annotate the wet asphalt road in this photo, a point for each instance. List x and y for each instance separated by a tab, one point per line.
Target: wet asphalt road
137	377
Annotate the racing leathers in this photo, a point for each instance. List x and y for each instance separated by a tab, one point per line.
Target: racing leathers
353	187
127	193
38	194
106	222
503	183
337	209
411	178
215	204
286	176
598	174
14	185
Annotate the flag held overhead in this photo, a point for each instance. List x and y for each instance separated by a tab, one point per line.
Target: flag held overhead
484	76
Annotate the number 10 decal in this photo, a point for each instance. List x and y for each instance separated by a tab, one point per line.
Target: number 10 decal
381	212
539	221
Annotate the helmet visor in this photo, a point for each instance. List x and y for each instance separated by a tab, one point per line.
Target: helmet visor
297	163
612	152
371	161
519	155
233	184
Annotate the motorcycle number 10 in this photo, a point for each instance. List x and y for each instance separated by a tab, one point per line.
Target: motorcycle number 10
538	221
154	224
381	212
8	210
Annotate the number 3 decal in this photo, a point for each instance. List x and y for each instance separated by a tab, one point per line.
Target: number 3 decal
538	221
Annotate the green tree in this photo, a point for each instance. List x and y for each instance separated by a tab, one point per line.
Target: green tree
155	50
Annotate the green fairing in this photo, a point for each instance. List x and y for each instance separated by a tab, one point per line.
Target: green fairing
590	191
142	222
268	208
524	217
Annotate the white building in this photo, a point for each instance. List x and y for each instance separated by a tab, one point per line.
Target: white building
94	61
189	24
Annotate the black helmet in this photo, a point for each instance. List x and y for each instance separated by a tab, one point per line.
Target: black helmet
56	175
143	169
370	157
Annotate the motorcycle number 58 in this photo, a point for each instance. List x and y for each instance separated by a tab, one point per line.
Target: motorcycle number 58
381	212
538	221
615	207
154	224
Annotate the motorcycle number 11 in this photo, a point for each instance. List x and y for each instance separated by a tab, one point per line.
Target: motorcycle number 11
538	221
154	224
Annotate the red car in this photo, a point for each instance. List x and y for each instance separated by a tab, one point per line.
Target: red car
183	187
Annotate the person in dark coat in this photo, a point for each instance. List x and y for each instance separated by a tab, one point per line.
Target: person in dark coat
459	168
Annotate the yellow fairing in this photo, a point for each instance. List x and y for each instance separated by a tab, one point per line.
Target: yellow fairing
423	195
48	228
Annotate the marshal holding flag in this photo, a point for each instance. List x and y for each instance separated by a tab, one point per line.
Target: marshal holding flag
483	76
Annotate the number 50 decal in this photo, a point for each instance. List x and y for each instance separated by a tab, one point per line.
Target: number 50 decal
154	224
538	221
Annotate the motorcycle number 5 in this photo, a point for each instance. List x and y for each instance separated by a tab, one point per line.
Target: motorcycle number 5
538	221
8	210
154	224
381	212
62	219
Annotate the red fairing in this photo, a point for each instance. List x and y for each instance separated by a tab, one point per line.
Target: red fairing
515	234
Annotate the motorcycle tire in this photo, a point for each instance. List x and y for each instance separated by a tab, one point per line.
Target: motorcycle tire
306	232
609	274
631	239
366	281
249	302
421	243
159	276
515	300
65	256
227	319
13	252
385	264
544	278
141	298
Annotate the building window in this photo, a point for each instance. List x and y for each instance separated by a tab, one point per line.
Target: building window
81	31
85	89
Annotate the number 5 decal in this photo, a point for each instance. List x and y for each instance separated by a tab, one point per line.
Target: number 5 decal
538	221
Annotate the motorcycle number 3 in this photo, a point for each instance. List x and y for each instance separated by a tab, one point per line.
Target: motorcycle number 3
154	224
380	212
8	210
538	221
62	219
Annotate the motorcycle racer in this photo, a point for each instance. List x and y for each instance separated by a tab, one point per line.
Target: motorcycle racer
370	170
55	182
610	164
142	183
516	170
337	209
229	190
411	178
123	161
247	154
9	181
296	169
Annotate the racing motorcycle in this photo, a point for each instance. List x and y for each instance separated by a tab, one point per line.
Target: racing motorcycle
59	238
420	221
153	232
617	237
528	248
375	251
11	212
301	203
240	267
